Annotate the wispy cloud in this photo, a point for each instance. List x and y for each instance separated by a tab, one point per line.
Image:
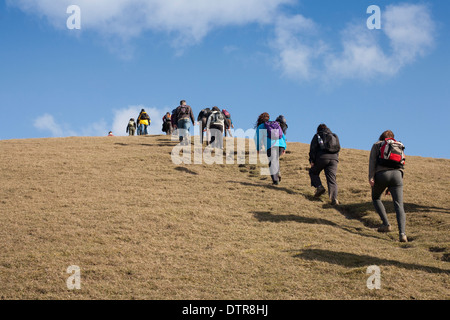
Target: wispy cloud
47	122
304	54
189	21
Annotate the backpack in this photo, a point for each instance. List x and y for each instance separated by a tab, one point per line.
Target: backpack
182	111
218	118
282	121
131	123
145	116
226	114
329	142
274	131
392	154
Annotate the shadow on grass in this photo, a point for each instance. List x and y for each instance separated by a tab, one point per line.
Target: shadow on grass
360	211
265	185
186	170
264	216
351	260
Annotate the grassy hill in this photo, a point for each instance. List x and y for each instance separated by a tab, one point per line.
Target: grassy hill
141	227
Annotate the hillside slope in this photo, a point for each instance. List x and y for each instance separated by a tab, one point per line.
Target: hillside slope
141	227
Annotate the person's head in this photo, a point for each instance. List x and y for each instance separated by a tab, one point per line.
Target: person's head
168	114
322	127
143	110
182	102
215	109
387	134
132	119
281	119
263	117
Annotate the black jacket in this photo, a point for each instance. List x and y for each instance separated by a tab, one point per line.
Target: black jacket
315	152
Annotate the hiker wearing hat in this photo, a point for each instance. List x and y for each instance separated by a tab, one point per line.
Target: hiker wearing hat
131	127
143	122
270	135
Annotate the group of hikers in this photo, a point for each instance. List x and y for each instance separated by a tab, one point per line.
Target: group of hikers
386	162
140	126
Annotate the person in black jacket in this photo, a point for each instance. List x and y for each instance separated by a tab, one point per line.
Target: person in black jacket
324	155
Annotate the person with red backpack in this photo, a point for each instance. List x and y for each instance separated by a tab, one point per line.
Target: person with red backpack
324	155
270	135
386	169
228	123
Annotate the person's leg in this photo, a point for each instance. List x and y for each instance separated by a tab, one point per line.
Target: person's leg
330	174
182	130
396	190
274	164
220	142
314	173
145	129
377	191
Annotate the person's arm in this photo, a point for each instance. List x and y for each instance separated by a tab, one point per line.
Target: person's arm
313	150
191	113
208	123
373	164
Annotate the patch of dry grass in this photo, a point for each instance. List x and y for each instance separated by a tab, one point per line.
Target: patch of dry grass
141	227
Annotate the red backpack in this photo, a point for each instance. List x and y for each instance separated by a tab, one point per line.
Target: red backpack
226	114
392	154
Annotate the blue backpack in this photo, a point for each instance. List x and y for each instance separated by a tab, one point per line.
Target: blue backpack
274	131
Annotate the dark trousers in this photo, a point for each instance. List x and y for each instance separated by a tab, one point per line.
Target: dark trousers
393	181
330	168
216	136
274	162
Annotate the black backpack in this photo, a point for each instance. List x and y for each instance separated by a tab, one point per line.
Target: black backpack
329	142
182	111
283	124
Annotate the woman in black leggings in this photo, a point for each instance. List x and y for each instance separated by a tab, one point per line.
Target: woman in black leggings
382	177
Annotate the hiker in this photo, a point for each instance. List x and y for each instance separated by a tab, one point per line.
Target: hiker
131	127
202	120
324	155
283	124
110	134
183	116
215	127
228	123
270	135
167	124
143	122
386	166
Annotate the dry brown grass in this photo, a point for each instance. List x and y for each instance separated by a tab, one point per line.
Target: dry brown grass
141	227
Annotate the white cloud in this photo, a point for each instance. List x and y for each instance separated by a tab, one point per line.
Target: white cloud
47	122
190	20
407	28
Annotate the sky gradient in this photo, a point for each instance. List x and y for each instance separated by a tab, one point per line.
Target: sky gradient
312	61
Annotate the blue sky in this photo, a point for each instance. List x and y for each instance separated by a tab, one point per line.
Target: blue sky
312	61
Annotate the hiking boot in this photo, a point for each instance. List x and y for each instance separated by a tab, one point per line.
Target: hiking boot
403	238
384	228
319	191
279	178
276	183
335	202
